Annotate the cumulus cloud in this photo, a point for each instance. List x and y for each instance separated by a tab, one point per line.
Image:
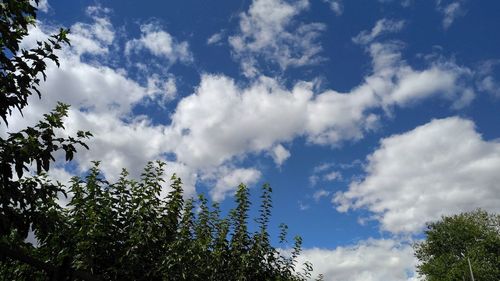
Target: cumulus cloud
95	38
268	31
280	154
159	43
102	100
381	27
368	260
222	121
440	168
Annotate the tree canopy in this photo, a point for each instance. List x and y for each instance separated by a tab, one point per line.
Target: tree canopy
126	231
23	198
454	241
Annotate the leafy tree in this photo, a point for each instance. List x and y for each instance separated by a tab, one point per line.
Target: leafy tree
126	231
27	203
22	199
454	241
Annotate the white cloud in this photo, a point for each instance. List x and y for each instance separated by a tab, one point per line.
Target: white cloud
320	194
450	11
486	80
322	167
43	5
381	27
280	154
313	180
490	85
215	38
102	100
268	31
334	175
229	179
418	85
440	168
325	173
163	89
95	38
369	260
222	121
336	6
160	43
122	140
188	176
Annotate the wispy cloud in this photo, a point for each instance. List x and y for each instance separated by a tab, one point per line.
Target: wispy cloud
268	31
336	6
320	194
215	38
381	27
451	10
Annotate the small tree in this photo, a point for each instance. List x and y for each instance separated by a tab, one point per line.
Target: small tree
454	241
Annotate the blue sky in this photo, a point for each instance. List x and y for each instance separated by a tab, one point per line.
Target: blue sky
368	118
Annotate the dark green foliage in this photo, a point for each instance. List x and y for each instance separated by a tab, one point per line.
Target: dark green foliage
28	203
452	240
25	202
21	69
125	231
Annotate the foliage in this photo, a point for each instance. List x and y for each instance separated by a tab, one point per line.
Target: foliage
452	240
25	201
126	231
21	69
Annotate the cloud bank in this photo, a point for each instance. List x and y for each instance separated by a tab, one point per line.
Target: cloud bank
440	168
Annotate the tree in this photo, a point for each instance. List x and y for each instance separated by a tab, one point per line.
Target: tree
126	231
454	241
22	199
27	202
